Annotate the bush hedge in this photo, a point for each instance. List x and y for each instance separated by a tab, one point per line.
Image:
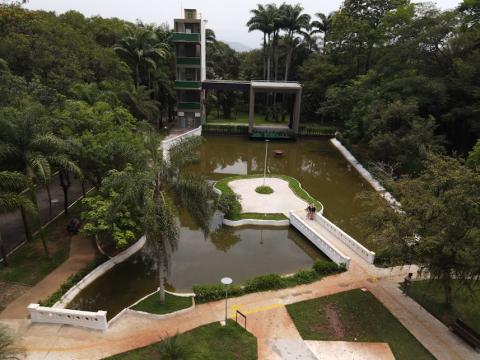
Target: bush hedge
321	268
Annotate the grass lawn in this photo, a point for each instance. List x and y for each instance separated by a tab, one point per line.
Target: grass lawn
29	265
355	316
466	305
211	341
172	303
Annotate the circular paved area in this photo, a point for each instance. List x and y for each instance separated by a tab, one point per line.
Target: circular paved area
283	200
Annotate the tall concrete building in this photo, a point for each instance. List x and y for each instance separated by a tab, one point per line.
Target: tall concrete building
190	68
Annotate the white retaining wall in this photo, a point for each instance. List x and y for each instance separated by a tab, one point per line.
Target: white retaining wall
243	222
97	272
324	245
359	249
167	144
92	320
365	173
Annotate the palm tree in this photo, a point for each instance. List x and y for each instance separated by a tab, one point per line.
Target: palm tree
142	49
322	25
148	190
263	19
293	22
142	104
27	141
11	186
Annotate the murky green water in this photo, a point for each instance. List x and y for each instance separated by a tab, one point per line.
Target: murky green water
245	252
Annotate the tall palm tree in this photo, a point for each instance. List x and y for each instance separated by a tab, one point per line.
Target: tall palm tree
27	141
141	48
263	19
11	186
293	22
322	25
148	190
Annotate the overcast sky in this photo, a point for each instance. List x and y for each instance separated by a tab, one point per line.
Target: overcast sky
226	17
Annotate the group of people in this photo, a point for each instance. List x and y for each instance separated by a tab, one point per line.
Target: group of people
311	211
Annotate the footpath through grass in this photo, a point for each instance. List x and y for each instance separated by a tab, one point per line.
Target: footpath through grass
355	316
29	265
211	341
172	303
466	304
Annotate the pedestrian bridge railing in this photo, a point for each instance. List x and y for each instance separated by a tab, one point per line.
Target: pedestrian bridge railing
354	245
92	320
320	242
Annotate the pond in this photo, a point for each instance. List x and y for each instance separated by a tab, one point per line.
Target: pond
245	252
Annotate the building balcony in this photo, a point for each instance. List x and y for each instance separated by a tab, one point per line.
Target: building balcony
188	85
183	60
188	106
185	37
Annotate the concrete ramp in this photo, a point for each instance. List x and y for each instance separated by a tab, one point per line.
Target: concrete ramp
345	350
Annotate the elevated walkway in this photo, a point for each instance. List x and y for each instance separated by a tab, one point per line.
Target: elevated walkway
340	247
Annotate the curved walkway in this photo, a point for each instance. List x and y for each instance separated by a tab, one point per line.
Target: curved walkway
81	253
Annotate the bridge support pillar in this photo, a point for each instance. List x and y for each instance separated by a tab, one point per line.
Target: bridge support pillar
296	111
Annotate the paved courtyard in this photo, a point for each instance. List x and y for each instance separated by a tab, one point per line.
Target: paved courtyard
282	200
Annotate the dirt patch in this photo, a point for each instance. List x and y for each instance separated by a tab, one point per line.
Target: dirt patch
9	292
331	314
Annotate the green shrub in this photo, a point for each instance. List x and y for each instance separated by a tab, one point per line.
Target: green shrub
321	268
305	276
264	282
229	204
266	190
325	267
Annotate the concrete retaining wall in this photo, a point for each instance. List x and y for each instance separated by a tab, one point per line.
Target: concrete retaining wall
322	244
365	173
359	249
97	272
244	222
167	144
92	320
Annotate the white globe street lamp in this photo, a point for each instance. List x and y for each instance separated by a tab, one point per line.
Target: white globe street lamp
226	281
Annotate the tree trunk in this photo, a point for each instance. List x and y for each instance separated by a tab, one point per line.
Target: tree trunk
269	59
3	251
264	56
161	275
137	76
39	222
447	286
65	184
26	226
49	196
287	61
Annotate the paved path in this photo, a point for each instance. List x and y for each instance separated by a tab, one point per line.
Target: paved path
81	253
282	200
267	319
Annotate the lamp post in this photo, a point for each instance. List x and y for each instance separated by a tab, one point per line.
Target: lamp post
265	168
226	281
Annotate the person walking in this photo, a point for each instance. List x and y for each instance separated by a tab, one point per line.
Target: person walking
407	282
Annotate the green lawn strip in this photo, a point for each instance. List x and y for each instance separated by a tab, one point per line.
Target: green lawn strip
212	341
294	184
466	304
172	303
258	216
361	317
29	265
320	269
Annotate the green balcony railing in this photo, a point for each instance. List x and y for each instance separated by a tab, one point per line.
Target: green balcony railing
184	37
195	85
188	60
188	106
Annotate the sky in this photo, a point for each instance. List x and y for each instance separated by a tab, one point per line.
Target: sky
226	17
